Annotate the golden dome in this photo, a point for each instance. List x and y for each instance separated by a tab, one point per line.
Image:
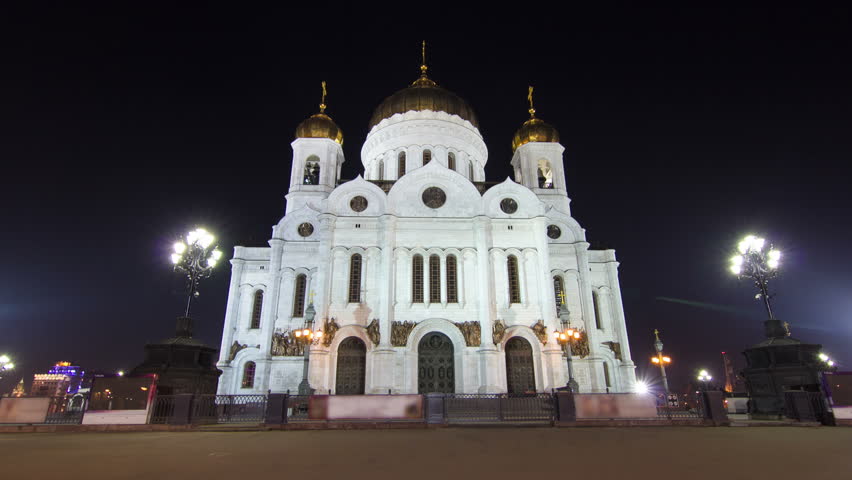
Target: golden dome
320	125
534	129
423	94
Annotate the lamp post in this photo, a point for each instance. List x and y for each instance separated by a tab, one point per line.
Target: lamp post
759	264
195	258
565	337
704	377
306	336
5	365
661	360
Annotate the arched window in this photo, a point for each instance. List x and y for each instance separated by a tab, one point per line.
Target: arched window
248	375
427	156
452	280
299	295
514	285
451	161
257	308
417	279
597	308
355	279
312	171
607	380
434	278
545	174
381	170
558	290
400	164
470	170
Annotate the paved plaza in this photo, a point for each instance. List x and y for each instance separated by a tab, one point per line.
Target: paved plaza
442	454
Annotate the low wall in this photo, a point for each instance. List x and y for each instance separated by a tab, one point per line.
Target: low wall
842	413
115	417
614	406
366	407
24	410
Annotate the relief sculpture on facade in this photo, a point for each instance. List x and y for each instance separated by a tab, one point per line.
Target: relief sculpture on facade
373	332
329	328
616	349
580	347
540	331
235	349
285	345
498	332
400	332
472	333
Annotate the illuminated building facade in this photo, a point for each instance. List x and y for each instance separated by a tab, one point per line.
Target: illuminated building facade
73	372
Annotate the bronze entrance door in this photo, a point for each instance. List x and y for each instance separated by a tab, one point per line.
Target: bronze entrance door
435	369
351	367
520	373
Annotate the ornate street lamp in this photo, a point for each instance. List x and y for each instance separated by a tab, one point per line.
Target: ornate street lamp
704	377
306	336
195	258
5	364
759	264
566	337
661	360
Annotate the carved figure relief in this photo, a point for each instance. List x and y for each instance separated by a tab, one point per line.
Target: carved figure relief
285	345
373	332
472	333
329	328
235	349
616	349
400	332
498	332
306	229
540	331
580	347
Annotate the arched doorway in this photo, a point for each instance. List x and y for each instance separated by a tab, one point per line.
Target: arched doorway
435	368
520	372
351	367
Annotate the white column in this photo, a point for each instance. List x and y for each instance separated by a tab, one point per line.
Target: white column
321	284
268	316
488	354
588	313
231	311
627	369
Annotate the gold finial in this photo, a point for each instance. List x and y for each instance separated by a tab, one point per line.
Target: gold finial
657	334
322	103
423	66
529	98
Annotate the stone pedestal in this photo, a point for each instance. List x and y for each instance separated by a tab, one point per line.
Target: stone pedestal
182	364
778	364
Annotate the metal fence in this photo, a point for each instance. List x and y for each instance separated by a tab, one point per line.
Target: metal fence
163	409
66	410
297	408
229	409
474	408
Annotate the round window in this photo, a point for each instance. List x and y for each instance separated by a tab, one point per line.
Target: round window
434	197
358	204
508	205
553	232
306	229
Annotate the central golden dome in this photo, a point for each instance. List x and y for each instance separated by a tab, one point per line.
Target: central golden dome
423	94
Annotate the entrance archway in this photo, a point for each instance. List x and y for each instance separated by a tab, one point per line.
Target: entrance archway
351	367
435	364
520	372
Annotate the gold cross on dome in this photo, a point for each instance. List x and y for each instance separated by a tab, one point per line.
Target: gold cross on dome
324	93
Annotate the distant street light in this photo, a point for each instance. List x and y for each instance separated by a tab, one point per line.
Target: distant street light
661	360
758	264
825	359
196	258
705	377
640	387
5	364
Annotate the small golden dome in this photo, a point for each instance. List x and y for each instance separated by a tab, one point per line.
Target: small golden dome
534	129
320	125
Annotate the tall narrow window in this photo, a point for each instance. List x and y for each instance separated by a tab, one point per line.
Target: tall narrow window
434	279
355	279
299	295
312	171
417	279
470	170
381	170
558	290
597	308
514	285
607	381
248	375
427	156
400	164
257	308
452	280
451	161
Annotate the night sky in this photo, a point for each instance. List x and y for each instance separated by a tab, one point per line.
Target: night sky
684	130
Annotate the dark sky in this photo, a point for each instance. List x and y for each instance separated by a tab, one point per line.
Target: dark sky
684	130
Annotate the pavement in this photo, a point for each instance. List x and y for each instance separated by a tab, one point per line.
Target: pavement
691	453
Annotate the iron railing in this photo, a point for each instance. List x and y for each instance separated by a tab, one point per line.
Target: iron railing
297	408
229	409
66	410
500	407
163	409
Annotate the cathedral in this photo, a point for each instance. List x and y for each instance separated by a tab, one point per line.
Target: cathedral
420	275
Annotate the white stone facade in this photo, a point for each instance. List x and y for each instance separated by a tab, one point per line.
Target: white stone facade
470	230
